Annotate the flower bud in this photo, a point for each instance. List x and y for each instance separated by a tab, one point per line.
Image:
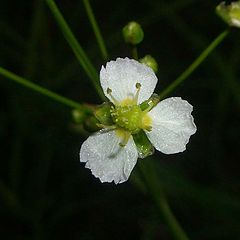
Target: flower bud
150	62
144	146
133	33
78	116
91	124
103	114
230	13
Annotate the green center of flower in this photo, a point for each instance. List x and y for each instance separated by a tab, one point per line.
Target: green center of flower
128	117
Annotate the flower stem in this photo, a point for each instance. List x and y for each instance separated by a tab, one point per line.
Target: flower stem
24	82
151	180
170	219
134	52
194	65
96	29
76	47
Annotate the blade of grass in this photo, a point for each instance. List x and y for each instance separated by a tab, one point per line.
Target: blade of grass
96	29
76	47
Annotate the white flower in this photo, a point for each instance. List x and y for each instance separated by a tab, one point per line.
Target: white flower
111	154
230	13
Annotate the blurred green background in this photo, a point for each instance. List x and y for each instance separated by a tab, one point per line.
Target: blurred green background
45	193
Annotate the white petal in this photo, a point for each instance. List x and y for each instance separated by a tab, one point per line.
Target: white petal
107	159
172	125
121	77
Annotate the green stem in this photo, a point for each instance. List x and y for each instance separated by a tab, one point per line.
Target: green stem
134	52
76	47
24	82
194	65
152	183
170	219
96	29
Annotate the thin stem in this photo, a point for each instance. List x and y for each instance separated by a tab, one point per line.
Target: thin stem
76	47
96	29
170	219
152	183
194	65
24	82
134	52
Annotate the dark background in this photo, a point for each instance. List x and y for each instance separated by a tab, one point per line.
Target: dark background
45	193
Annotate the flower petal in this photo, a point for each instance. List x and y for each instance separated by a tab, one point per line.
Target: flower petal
172	125
121	77
106	158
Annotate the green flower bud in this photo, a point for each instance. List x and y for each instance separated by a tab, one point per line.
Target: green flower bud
103	114
230	13
78	116
150	62
144	146
133	33
91	124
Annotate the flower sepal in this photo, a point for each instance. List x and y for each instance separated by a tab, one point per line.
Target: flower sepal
91	124
150	103
144	146
103	113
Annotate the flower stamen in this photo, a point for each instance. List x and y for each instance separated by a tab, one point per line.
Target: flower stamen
114	100
138	87
125	135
